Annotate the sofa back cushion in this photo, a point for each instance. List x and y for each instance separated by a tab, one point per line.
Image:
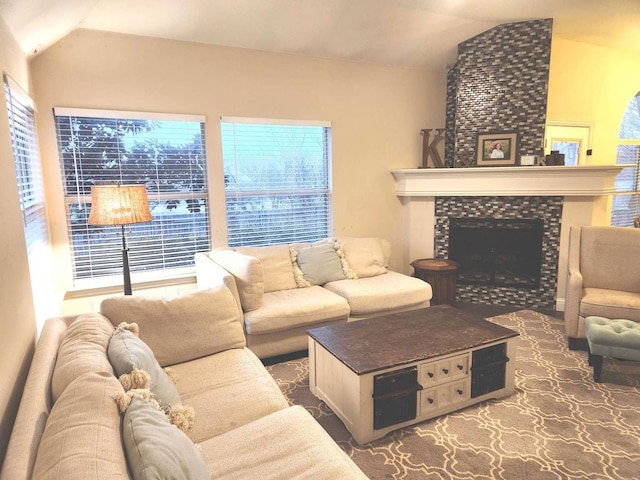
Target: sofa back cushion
276	265
83	349
82	437
248	273
367	256
608	258
183	328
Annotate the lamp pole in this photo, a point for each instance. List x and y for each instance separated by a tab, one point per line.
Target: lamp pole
125	265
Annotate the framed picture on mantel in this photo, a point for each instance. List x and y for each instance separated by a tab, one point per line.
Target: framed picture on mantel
497	149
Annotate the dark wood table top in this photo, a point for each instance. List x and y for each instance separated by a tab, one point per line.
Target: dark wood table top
391	340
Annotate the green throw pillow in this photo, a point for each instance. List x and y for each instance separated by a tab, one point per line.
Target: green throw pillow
156	449
320	264
126	352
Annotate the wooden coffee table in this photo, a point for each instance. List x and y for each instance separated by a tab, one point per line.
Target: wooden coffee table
392	371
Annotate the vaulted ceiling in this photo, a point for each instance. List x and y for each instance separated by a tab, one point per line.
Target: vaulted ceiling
409	33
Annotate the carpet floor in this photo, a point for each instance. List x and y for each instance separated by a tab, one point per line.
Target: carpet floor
558	424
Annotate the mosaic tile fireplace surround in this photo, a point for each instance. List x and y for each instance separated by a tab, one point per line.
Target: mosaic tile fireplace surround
548	209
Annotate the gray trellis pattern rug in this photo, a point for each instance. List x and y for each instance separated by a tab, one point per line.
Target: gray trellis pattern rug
558	424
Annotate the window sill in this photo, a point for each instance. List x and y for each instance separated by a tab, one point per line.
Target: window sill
145	281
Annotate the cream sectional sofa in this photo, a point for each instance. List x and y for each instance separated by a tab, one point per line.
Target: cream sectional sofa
285	290
68	425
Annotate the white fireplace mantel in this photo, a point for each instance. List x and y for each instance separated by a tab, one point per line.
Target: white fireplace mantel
584	190
564	181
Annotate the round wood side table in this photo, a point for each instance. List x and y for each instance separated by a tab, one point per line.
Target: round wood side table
440	273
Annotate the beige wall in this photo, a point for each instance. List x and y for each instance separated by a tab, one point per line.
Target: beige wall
376	113
592	84
17	322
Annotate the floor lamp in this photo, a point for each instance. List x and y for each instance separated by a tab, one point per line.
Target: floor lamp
120	205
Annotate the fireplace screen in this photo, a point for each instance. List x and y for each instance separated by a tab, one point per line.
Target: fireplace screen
497	252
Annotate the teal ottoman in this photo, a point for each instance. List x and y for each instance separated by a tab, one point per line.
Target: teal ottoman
615	338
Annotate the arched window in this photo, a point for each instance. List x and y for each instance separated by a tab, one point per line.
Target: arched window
626	203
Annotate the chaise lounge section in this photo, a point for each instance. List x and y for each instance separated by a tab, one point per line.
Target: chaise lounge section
285	290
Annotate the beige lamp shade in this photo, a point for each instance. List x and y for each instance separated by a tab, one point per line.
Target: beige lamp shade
119	205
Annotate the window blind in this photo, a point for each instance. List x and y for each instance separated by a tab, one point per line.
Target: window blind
277	181
626	201
167	155
26	156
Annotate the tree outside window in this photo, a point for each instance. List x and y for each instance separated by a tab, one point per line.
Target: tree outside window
168	157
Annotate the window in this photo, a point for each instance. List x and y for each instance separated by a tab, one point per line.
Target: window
164	152
626	206
21	113
277	181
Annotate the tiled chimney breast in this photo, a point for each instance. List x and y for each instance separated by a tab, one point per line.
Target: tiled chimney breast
499	84
549	209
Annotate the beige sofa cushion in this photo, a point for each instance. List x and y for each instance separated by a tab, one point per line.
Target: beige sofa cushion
288	309
83	349
180	329
226	391
365	255
276	265
286	444
610	304
82	437
604	258
381	293
248	273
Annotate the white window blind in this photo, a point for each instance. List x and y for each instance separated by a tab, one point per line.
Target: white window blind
28	169
277	180
626	202
167	154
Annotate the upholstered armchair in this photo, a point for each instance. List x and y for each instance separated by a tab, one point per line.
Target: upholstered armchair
603	277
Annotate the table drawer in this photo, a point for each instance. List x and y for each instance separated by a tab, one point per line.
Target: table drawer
444	395
439	371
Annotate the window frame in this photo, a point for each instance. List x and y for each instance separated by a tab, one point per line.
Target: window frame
273	191
143	269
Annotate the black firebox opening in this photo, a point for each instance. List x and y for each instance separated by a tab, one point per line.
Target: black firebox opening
497	252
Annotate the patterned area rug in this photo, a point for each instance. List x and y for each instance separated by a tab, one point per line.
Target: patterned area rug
558	424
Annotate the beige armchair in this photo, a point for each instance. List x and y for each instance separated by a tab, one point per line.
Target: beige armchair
603	278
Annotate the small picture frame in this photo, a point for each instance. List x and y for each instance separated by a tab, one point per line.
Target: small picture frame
497	149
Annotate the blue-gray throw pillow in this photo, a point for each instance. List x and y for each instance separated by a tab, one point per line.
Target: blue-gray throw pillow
320	264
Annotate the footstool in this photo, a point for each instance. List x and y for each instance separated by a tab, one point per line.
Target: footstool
615	338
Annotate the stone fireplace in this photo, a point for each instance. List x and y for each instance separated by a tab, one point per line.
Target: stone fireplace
558	196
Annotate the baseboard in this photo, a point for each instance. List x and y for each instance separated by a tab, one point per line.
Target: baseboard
560	304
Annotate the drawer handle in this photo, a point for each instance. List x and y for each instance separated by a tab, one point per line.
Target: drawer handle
445	370
430	400
460	367
459	391
430	374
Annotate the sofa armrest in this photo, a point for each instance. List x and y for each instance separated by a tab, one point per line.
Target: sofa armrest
209	274
573	293
35	404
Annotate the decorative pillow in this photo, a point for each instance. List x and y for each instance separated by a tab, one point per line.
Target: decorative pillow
82	437
128	354
320	264
365	255
83	350
248	273
156	449
276	264
183	328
